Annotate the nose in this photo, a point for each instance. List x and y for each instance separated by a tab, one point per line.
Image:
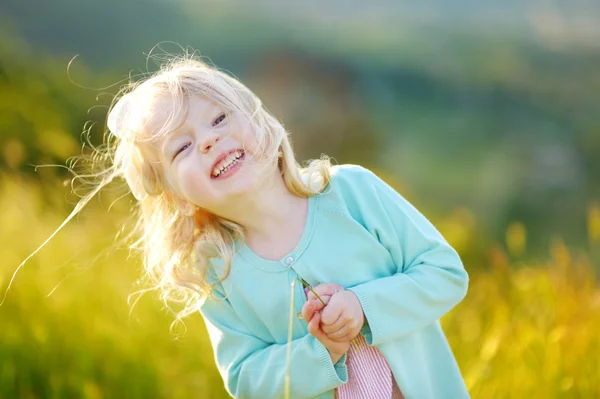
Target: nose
208	142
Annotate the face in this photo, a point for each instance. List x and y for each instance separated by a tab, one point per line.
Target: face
211	160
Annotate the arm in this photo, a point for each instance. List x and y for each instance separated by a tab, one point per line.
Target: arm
430	278
252	368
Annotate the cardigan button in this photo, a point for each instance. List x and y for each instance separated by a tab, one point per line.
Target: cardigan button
289	261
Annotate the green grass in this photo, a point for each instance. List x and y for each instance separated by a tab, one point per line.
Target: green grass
525	330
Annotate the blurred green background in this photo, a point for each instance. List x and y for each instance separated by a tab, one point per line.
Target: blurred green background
483	114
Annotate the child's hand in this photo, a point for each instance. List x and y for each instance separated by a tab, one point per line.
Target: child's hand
311	313
313	304
343	317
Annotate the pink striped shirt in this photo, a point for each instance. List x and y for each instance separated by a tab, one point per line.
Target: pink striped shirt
369	375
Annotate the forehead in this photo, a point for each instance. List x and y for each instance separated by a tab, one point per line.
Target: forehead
167	114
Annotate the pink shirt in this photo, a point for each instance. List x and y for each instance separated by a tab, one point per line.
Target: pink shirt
369	375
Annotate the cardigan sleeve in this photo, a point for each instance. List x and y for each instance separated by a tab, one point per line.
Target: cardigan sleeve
430	278
253	368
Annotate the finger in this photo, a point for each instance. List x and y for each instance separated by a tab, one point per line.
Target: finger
339	334
331	328
317	303
332	313
339	323
345	338
315	330
345	320
324	297
327	289
309	308
313	326
307	312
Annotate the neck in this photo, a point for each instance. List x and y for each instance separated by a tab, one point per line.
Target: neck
268	211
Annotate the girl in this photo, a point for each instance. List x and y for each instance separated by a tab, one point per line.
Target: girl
228	220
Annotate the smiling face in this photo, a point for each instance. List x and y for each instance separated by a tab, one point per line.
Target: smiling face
213	158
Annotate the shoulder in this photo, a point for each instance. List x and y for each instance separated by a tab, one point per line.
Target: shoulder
351	187
353	180
360	187
359	193
349	174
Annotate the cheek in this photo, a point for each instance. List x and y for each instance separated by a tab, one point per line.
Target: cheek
246	136
191	179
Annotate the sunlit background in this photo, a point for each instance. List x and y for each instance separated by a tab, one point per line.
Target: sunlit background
485	115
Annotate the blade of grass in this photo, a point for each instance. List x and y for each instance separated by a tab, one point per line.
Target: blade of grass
286	389
306	285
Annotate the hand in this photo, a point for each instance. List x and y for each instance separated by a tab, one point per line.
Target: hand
313	304
311	313
343	317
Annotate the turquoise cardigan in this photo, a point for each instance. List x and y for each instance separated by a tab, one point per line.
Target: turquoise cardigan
363	235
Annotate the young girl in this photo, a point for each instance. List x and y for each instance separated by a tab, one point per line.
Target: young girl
229	221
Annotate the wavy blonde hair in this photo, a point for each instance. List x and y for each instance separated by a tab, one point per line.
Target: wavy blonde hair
179	249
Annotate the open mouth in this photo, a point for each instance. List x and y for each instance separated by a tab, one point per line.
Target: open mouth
228	164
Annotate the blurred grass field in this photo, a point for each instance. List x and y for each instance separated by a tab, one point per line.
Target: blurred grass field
527	329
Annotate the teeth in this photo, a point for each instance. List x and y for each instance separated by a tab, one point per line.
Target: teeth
227	163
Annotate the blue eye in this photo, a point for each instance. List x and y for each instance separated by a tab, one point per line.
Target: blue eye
219	119
183	148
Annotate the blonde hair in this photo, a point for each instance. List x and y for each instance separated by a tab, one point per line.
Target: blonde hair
179	249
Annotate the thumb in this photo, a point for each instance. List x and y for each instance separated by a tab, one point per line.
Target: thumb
314	327
309	308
